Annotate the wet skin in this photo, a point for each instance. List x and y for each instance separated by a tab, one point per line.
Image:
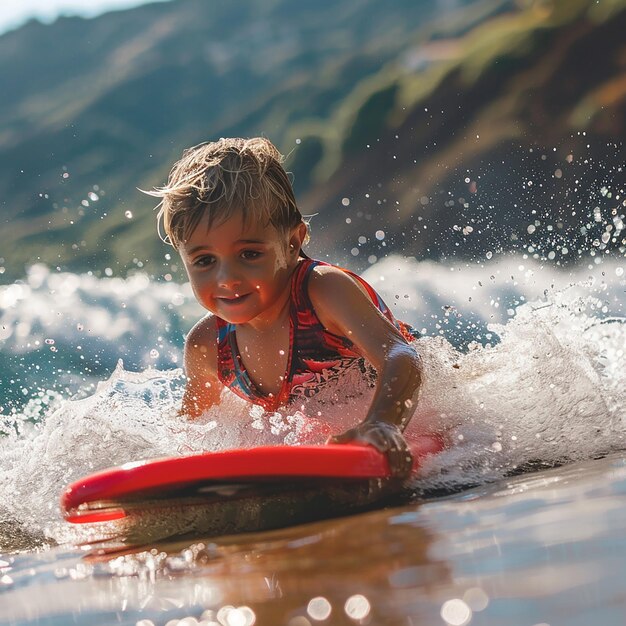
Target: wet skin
241	272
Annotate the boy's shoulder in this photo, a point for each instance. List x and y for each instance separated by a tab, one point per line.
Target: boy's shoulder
330	281
336	295
205	328
201	342
325	273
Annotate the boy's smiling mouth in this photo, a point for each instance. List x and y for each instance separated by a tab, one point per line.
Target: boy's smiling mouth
235	299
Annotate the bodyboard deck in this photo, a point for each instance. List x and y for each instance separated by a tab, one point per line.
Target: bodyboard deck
218	480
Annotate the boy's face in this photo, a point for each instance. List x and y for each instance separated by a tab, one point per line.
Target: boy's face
241	272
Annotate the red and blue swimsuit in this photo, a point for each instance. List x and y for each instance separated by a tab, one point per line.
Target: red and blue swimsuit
316	356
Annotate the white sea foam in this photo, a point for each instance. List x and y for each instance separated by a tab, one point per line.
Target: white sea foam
543	380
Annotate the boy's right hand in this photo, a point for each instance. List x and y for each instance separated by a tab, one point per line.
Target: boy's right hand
386	438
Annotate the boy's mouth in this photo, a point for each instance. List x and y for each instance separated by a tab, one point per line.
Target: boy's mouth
236	299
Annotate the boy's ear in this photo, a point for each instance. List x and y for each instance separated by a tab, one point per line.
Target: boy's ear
297	238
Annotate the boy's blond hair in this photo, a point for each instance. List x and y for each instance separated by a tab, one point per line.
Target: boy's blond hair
218	178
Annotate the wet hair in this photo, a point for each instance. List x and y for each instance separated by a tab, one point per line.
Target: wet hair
217	179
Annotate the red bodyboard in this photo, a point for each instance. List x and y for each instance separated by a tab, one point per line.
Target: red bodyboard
251	465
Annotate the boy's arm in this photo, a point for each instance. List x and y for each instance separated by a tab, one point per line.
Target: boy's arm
345	309
203	389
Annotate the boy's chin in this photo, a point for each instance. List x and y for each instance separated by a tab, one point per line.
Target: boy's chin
235	317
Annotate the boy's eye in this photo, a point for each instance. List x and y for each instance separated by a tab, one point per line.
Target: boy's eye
203	261
250	255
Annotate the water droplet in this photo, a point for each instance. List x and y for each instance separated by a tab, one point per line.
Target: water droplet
345	201
319	608
357	607
456	612
476	599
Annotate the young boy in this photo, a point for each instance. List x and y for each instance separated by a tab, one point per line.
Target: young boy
280	324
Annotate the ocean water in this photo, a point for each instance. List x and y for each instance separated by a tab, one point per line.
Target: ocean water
519	521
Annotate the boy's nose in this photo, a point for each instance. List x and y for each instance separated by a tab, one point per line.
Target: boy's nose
227	278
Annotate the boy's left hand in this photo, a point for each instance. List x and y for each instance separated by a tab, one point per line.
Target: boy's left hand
385	437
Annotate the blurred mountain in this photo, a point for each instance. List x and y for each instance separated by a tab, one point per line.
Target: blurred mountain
435	128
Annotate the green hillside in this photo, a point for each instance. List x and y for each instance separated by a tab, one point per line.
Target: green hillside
390	105
514	142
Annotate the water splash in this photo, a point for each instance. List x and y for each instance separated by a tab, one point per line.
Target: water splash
551	390
537	379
